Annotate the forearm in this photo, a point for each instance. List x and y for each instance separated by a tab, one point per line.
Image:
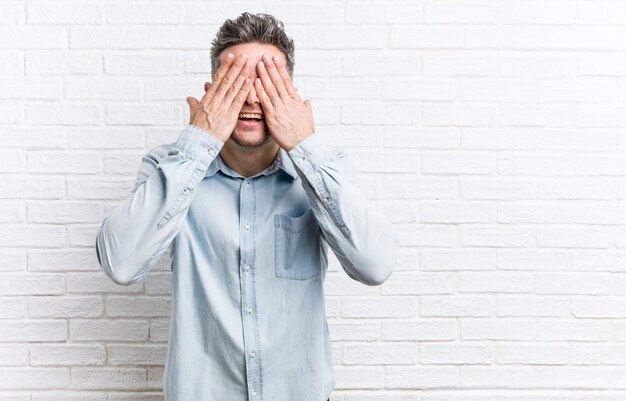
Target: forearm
133	236
359	234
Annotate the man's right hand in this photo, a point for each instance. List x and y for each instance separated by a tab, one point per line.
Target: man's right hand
218	110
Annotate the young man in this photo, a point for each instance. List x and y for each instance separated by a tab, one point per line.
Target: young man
250	198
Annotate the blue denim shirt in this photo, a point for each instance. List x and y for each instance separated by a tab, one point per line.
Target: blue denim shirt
249	257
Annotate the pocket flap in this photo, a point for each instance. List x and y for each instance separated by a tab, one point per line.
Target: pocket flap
294	224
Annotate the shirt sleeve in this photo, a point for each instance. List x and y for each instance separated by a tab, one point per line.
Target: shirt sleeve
359	234
134	234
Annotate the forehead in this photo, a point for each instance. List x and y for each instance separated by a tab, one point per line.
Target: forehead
254	50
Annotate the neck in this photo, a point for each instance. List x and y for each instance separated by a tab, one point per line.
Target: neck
248	161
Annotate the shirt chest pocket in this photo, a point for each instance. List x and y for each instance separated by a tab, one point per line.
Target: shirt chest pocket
297	246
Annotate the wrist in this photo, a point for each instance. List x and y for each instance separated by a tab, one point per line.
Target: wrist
208	131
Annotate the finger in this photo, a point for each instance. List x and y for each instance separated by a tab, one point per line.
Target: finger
275	76
236	87
219	75
239	100
284	74
230	77
266	103
268	86
207	85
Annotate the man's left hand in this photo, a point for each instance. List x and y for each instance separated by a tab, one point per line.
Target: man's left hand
288	118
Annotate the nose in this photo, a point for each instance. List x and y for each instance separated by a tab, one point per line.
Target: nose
252	95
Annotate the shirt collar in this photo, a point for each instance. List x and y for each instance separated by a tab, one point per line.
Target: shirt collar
282	162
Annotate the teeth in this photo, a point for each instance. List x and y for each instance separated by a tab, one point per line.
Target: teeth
249	115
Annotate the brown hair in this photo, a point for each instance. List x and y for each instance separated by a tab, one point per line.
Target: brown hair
260	28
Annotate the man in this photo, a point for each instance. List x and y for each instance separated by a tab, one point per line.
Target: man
250	198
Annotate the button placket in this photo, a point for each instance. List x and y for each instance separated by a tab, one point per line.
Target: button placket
247	287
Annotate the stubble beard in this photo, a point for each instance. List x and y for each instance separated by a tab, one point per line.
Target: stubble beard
265	138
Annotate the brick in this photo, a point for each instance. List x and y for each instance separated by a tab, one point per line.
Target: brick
143	115
136	354
442	63
143	65
32	38
456	306
62	63
33	331
490	235
144	13
67	354
324	12
457	259
532	354
63	114
384	307
119	306
48	162
108	330
509	329
34	378
118	37
407	283
422	138
461	12
426	37
376	12
421	377
380	353
66	13
12	212
32	235
456	354
347	36
425	329
521	306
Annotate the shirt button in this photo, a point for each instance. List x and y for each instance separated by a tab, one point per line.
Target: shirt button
254	393
249	309
247	226
325	199
212	152
247	185
253	354
246	267
301	160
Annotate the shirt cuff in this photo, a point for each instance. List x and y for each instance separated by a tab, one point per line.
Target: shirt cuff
198	144
315	149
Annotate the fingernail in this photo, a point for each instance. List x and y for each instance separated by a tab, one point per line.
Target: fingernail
266	57
244	55
276	59
229	55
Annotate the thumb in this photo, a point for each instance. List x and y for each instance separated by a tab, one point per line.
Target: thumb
193	107
192	102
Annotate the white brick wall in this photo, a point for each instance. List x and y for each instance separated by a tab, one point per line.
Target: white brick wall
491	132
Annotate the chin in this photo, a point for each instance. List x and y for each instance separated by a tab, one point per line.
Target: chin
251	138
